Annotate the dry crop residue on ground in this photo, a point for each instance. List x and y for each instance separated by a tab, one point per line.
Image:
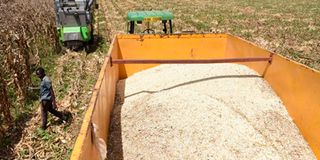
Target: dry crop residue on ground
26	34
217	111
73	78
73	75
288	27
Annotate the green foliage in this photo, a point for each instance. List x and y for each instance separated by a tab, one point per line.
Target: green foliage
69	151
44	135
24	152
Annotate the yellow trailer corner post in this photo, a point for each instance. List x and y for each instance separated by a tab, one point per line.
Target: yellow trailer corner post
297	85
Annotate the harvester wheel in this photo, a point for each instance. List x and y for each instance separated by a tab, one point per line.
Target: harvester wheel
74	45
87	48
91	41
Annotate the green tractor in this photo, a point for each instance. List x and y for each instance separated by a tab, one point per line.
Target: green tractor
147	17
74	20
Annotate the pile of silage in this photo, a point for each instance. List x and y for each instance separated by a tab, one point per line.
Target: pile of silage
219	111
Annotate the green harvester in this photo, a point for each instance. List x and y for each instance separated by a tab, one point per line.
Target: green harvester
74	21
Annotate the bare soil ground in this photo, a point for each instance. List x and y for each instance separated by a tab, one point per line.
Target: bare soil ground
288	27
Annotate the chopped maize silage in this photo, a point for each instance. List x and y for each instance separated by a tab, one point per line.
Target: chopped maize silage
216	111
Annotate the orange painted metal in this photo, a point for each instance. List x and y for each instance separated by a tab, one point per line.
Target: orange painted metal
98	112
161	47
297	85
184	61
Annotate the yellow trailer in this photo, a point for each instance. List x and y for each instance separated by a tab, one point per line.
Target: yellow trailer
297	85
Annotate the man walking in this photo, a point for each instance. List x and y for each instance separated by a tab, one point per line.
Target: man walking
47	98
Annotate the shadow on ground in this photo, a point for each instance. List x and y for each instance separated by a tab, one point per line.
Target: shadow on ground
13	136
95	45
89	48
67	121
14	133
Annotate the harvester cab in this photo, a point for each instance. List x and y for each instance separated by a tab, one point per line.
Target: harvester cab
74	20
147	17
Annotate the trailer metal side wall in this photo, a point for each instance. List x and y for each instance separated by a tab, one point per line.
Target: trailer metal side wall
96	120
297	85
